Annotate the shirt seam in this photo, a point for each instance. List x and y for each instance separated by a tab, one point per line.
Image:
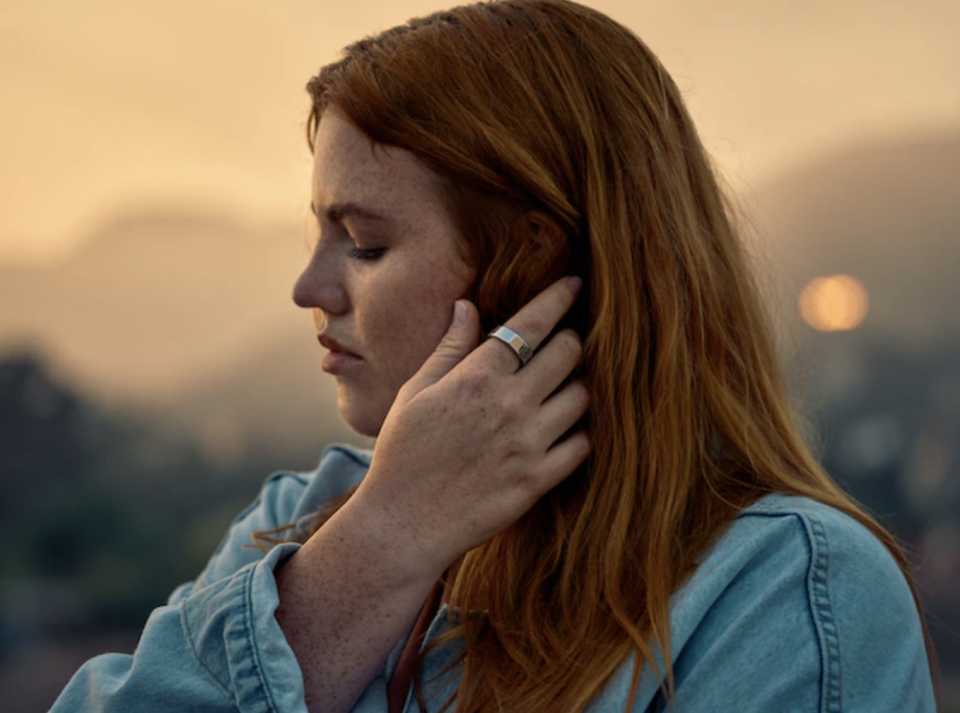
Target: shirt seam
192	645
254	651
822	613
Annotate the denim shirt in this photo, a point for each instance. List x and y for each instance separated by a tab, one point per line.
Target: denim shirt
796	607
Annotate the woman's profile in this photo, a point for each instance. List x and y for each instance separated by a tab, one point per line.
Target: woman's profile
588	491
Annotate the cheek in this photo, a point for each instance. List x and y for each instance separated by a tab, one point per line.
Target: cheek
410	320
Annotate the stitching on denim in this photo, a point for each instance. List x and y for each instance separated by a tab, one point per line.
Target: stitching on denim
254	652
822	611
192	645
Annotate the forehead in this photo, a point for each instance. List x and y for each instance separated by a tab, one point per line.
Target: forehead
349	167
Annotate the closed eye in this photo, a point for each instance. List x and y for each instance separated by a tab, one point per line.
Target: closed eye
370	254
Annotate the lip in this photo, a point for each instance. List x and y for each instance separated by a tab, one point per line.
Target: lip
334	346
340	358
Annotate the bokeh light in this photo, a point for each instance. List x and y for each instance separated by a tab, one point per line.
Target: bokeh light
834	304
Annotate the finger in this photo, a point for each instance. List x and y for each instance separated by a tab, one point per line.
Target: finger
560	412
553	363
461	338
564	458
534	321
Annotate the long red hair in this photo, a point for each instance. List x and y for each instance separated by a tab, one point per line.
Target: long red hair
565	148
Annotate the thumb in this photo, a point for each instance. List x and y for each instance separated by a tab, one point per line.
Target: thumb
461	339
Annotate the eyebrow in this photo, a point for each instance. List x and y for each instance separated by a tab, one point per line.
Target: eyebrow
339	211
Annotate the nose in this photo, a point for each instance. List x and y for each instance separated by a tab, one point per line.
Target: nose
319	286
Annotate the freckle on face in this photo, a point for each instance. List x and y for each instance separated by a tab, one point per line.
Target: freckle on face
398	307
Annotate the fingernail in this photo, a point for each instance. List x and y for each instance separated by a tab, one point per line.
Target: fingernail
574	283
459	314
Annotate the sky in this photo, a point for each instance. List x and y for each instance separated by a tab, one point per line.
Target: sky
110	106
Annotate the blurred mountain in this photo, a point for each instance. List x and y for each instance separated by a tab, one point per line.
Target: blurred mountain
155	301
888	214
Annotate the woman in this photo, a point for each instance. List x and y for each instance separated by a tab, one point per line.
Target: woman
628	519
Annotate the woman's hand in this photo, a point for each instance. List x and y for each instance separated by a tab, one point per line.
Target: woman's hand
470	443
466	449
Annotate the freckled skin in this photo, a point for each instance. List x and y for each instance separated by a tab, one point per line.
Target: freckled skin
394	310
453	465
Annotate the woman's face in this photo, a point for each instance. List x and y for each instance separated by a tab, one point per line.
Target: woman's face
385	271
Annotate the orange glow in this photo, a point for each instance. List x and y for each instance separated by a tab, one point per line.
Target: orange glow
834	304
220	120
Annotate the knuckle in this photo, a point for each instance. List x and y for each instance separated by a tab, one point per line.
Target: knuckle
585	447
476	379
511	447
530	443
535	325
403	393
582	392
528	483
570	343
509	408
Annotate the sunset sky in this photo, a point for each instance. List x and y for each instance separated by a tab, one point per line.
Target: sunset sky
110	106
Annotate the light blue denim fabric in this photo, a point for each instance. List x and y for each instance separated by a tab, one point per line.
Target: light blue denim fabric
795	608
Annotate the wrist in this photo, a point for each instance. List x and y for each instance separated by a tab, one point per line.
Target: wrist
377	530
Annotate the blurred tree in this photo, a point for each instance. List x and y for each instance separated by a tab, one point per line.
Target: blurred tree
41	434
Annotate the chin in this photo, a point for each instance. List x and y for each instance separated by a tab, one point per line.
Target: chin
361	415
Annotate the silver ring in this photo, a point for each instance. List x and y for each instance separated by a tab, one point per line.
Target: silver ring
515	342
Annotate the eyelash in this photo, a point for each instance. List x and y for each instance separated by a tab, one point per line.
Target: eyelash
369	255
355	253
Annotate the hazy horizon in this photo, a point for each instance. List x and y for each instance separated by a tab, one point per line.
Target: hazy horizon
178	104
